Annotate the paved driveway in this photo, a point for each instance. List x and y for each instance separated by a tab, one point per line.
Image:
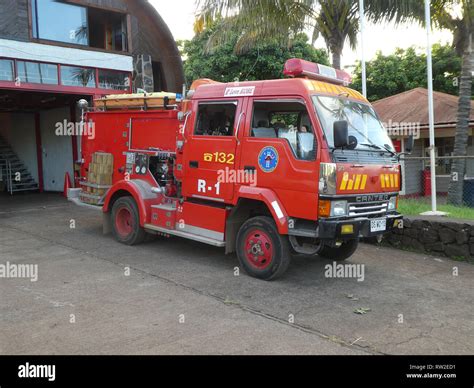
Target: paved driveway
173	296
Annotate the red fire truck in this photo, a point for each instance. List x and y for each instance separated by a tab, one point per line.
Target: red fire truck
266	169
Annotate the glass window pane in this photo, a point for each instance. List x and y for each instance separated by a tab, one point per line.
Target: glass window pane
6	70
216	119
61	22
78	76
114	80
37	73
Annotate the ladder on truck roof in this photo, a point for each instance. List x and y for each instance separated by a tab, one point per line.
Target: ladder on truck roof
141	101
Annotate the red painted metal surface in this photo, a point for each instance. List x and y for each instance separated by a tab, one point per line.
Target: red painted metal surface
124	222
290	190
258	249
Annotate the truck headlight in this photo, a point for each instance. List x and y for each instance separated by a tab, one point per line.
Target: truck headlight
393	203
338	208
327	179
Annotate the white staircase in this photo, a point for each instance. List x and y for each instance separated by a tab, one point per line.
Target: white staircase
13	172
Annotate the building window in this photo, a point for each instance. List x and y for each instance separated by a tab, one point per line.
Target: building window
74	24
60	22
7	72
115	80
37	73
215	119
107	30
78	76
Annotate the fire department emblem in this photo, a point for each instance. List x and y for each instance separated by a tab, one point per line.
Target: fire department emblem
268	159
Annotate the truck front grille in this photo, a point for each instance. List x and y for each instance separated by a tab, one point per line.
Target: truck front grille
378	208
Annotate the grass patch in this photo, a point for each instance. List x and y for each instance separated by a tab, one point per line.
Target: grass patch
415	206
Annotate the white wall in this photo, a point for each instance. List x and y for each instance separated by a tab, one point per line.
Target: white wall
65	55
57	150
18	129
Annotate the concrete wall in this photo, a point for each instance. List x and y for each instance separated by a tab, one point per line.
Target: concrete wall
57	150
18	129
65	55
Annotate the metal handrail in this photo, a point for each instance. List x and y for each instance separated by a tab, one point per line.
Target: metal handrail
7	166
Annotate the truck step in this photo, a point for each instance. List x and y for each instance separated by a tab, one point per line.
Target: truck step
170	207
189	236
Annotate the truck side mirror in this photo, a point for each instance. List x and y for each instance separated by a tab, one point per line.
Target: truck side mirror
341	134
409	144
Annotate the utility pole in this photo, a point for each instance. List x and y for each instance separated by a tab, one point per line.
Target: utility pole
362	47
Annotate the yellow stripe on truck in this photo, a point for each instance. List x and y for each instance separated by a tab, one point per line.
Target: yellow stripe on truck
345	178
358	182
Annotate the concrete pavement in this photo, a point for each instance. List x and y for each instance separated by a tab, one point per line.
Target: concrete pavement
174	296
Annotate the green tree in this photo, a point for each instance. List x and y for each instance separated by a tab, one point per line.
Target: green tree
337	21
264	61
404	70
461	23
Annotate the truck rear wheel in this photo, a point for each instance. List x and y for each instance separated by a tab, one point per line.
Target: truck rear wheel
126	222
261	250
340	253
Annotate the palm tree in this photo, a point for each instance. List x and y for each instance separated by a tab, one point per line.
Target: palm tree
337	21
461	23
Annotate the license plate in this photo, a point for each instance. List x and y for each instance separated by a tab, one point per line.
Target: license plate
378	225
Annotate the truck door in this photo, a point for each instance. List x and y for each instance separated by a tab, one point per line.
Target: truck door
281	146
210	149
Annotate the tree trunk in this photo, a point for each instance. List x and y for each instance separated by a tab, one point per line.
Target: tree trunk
336	59
458	169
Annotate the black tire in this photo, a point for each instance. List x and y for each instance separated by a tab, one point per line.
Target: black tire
126	228
269	263
341	253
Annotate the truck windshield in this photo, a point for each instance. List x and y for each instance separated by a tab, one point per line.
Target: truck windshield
365	129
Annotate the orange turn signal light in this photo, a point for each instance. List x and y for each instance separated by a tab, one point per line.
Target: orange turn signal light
324	208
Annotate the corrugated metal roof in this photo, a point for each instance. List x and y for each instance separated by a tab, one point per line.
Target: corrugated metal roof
412	107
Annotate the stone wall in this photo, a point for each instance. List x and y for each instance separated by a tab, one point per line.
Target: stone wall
143	73
451	238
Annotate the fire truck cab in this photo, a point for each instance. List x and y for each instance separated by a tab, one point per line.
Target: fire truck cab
266	169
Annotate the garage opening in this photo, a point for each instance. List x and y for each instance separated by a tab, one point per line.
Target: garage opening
36	150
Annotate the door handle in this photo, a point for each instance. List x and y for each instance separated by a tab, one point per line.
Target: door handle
194	164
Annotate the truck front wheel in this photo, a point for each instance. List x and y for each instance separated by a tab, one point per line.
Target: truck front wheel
261	250
340	253
126	222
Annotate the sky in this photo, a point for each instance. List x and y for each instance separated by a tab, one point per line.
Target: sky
180	15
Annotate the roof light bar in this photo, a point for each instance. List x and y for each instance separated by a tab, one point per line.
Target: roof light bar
296	67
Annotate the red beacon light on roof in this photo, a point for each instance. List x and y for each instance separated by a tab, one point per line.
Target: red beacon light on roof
299	68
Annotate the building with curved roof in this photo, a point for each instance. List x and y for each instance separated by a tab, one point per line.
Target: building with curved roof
55	52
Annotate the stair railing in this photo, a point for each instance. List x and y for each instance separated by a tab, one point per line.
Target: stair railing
6	174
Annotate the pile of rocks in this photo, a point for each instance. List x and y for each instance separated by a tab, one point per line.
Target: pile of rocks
454	239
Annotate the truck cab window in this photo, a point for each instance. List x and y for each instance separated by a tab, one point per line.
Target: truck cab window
285	120
215	119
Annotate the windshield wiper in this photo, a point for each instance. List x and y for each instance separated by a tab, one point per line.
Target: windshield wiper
372	146
381	148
